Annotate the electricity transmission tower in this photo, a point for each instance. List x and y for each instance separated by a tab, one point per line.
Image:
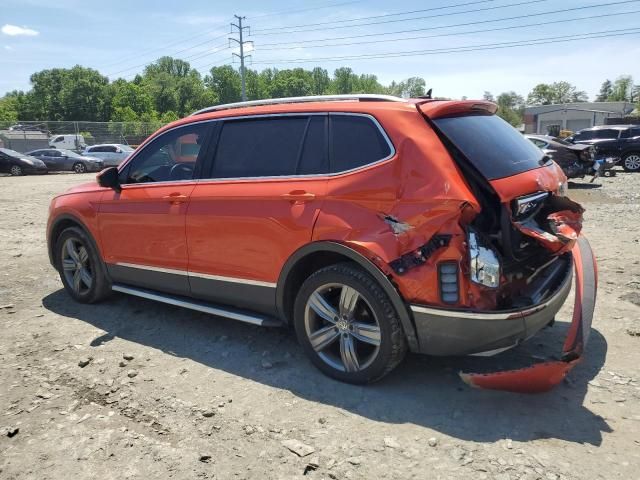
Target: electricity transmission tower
241	43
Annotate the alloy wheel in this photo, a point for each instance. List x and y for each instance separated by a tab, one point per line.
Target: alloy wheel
632	162
76	266
16	170
79	168
342	328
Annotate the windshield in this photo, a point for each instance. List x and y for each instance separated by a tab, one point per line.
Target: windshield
493	146
12	153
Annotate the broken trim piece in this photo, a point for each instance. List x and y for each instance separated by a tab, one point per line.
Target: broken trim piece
544	376
421	255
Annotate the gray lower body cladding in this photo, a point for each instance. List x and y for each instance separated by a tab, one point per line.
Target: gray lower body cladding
457	332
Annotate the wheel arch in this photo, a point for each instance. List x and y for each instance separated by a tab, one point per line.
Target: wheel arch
316	255
61	223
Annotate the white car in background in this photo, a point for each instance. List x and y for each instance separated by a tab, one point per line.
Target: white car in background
111	153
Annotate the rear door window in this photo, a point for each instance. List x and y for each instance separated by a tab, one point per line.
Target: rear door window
493	146
608	133
271	147
356	140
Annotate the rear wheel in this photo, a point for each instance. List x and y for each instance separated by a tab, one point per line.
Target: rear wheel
16	170
81	270
631	162
347	325
79	167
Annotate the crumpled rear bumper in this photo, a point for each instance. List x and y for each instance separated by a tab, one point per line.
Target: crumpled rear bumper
462	332
450	332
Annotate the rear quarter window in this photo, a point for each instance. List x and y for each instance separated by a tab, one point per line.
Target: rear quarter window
356	141
493	146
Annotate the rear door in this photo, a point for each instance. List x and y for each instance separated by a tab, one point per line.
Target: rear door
257	206
142	228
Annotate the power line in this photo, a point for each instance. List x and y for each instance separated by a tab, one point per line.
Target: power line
486	30
289	12
468	48
172	54
157	49
465	24
410	12
497	7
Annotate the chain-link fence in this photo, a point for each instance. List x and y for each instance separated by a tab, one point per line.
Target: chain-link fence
24	136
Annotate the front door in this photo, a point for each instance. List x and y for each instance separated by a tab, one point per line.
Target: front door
264	193
142	228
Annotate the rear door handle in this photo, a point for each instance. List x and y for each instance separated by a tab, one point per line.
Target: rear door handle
298	196
176	198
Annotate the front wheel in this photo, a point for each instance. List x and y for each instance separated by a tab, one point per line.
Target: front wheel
81	270
631	162
79	167
347	325
16	170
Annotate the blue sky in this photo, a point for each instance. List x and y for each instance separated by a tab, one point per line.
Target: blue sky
118	37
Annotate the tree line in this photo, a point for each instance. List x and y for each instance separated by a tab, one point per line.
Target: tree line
170	88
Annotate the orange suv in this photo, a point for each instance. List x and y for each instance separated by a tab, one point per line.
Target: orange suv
372	225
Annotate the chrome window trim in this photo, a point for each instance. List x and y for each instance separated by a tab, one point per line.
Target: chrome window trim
244	281
392	150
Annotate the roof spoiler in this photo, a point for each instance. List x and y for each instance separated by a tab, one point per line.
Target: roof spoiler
453	108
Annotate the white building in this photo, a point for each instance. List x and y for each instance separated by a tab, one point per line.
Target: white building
573	116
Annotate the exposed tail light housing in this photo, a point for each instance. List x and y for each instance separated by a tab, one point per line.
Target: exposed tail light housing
484	264
448	282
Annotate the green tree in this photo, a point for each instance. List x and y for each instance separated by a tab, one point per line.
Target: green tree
557	92
622	89
8	109
320	81
488	96
224	83
606	89
409	88
343	80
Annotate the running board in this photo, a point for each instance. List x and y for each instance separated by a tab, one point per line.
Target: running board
185	302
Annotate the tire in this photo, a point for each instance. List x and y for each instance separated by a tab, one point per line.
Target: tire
16	171
79	167
83	274
358	340
631	162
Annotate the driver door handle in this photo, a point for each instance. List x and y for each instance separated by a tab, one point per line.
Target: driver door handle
298	196
176	198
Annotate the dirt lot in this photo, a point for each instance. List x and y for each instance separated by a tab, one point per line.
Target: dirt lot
169	393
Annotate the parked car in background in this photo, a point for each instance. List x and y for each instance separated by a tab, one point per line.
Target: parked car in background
66	160
111	153
70	142
576	161
373	225
17	163
622	141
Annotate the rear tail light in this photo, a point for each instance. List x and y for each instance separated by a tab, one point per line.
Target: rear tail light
448	281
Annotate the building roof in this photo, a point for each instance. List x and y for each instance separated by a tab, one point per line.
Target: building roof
599	107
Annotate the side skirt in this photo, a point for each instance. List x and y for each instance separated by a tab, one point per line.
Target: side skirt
210	308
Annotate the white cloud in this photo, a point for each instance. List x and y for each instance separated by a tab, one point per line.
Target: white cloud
14	30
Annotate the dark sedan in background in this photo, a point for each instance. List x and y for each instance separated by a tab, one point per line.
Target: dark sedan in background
57	159
576	161
621	141
17	163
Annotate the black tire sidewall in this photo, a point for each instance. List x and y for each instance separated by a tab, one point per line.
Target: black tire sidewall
100	284
386	315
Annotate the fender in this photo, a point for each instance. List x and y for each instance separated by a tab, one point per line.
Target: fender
397	301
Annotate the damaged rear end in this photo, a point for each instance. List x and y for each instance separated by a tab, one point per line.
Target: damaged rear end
519	254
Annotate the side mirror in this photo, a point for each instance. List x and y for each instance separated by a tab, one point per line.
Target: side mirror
109	178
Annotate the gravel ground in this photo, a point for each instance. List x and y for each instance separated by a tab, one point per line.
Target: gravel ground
135	389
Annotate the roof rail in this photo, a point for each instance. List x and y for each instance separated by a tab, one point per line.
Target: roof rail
361	97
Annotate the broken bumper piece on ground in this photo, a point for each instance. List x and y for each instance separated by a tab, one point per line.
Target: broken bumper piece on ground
542	377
